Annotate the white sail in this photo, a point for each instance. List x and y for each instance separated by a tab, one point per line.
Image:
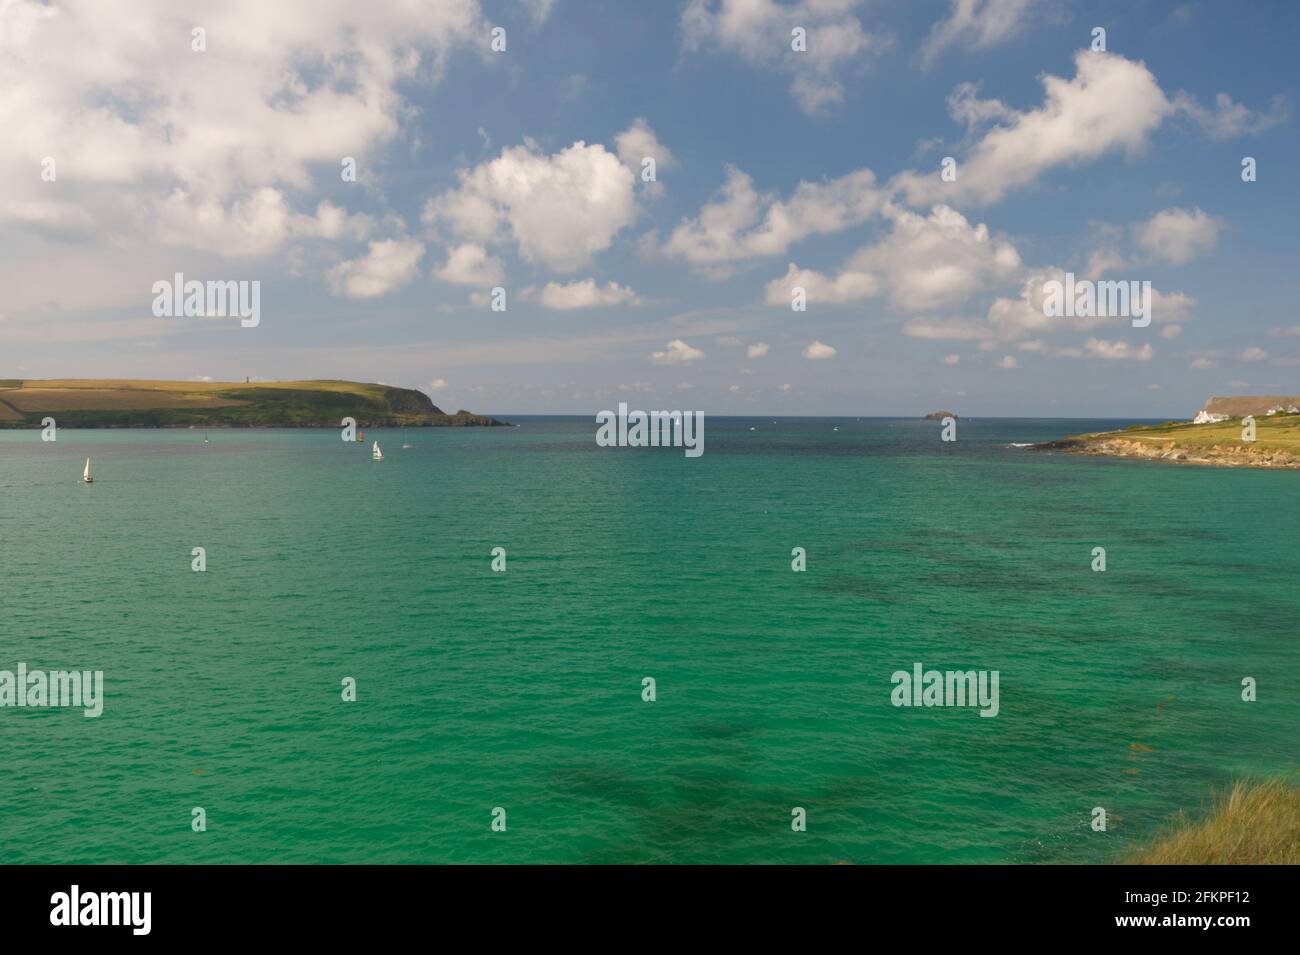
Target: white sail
376	453
85	475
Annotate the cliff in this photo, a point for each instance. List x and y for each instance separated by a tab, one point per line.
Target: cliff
140	403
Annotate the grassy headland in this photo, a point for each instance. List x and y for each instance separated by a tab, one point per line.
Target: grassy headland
139	403
1276	444
1248	825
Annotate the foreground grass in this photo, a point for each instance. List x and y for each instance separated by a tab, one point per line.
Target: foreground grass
1248	825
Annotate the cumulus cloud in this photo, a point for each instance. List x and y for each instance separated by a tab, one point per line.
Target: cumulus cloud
847	286
155	141
638	143
925	262
1253	354
977	24
741	224
1111	104
817	351
583	294
677	352
933	261
759	32
757	350
386	267
560	209
470	264
1177	236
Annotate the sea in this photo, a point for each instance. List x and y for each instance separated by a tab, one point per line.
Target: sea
565	653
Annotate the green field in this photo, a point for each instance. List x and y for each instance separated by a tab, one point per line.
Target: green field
138	403
1280	432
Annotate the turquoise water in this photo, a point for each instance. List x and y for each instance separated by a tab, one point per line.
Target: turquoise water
523	689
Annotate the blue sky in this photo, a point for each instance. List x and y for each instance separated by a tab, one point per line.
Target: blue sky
522	169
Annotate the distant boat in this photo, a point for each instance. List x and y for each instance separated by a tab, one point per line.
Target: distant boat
406	445
376	453
205	439
85	475
836	428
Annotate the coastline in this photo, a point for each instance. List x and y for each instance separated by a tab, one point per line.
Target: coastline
1105	445
1275	444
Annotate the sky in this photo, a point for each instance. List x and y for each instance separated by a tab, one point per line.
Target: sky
791	144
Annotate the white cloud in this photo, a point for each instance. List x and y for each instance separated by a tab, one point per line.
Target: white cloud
821	289
925	263
1007	361
817	351
583	294
980	24
386	267
469	264
1228	119
1202	363
1177	236
560	209
1253	354
741	225
637	143
759	31
677	352
1111	104
437	384
1116	351
937	260
966	107
757	350
951	359
203	150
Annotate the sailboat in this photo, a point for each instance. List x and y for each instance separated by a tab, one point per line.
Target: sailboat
406	445
205	439
376	454
85	475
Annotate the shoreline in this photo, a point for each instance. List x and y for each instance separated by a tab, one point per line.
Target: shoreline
1271	443
1216	456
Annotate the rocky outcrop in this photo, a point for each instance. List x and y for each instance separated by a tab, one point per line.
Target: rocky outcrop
1226	455
939	415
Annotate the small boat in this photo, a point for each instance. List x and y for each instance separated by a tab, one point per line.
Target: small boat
836	428
376	454
406	445
205	439
85	475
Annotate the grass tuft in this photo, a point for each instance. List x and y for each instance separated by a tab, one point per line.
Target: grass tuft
1255	824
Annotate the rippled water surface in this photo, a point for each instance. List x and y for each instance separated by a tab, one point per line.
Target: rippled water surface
523	689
